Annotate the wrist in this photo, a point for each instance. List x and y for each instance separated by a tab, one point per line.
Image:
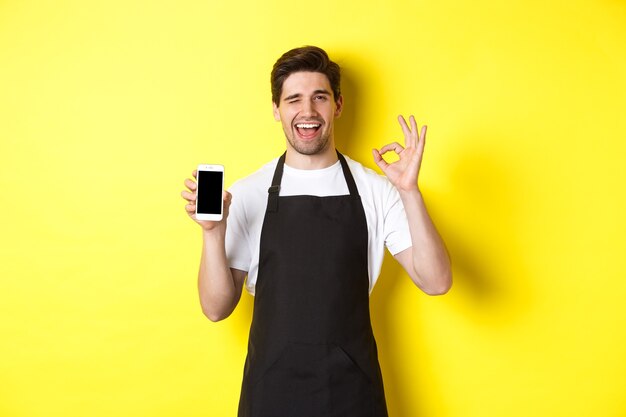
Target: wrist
217	232
409	192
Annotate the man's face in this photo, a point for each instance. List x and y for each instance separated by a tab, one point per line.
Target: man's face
307	111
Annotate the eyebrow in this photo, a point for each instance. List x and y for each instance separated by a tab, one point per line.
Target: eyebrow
298	95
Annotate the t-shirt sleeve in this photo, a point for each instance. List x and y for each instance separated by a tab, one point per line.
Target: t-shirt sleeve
396	226
237	246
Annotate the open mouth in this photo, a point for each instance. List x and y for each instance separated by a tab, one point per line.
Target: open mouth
307	130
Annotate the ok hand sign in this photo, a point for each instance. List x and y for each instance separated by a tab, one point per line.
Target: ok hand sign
403	173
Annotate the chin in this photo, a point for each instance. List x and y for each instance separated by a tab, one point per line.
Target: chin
312	148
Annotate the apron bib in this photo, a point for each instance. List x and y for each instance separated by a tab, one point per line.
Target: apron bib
311	351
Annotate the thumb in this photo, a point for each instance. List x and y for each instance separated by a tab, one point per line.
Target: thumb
378	159
228	197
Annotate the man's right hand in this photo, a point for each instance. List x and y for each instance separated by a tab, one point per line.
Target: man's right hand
190	196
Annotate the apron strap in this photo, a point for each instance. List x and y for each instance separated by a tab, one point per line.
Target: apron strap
274	190
354	192
272	199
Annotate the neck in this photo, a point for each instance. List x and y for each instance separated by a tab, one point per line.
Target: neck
320	160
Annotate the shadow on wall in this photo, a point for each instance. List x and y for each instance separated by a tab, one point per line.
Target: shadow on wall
485	239
346	124
487	291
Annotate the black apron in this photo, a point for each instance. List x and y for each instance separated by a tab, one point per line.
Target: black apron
311	351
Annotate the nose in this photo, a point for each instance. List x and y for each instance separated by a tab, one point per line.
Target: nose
308	108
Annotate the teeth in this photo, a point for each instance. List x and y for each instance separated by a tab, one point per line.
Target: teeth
307	125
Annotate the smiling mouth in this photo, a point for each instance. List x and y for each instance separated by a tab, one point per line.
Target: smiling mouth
307	130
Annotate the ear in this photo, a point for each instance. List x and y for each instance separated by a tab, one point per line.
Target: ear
276	112
339	105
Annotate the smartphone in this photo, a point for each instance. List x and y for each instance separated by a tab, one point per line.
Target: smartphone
209	201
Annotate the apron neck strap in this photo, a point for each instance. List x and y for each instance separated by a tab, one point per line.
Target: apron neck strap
274	190
272	199
354	192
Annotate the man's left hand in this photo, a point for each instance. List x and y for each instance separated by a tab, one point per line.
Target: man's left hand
403	172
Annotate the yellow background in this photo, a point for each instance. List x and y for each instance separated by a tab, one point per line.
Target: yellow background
105	107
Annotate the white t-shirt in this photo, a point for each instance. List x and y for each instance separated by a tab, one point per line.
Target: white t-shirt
386	220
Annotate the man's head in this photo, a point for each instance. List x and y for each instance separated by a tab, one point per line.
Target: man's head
306	100
307	59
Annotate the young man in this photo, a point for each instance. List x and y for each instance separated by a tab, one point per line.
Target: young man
309	230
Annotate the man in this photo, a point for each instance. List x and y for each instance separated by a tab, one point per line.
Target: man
309	230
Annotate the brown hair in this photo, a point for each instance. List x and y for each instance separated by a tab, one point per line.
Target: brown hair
306	58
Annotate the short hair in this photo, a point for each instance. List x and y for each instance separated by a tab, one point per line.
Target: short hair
306	58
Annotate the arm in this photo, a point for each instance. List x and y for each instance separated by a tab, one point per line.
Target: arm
219	286
427	261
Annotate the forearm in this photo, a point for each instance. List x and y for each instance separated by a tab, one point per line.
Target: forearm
430	261
216	286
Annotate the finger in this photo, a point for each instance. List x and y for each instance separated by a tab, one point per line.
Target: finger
195	173
422	140
414	135
405	130
228	197
188	196
191	184
190	209
378	159
395	146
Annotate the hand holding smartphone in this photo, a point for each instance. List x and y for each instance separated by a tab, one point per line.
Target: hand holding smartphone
210	190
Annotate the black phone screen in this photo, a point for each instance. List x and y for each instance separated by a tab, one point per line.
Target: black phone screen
209	198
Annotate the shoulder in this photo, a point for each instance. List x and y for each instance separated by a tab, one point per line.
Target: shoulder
378	194
259	180
250	193
368	179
